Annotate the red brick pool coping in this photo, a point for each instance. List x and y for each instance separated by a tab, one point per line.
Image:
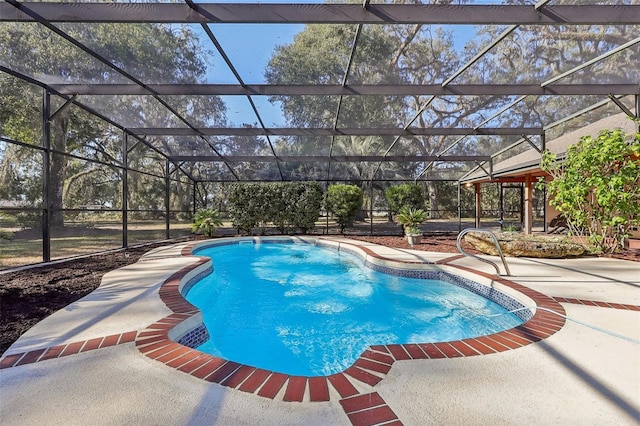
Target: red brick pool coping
73	348
369	369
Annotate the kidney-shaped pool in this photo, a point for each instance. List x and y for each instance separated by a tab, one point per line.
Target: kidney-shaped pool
305	310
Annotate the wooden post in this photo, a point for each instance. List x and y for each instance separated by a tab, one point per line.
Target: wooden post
528	205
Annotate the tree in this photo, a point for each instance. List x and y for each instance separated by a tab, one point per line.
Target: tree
404	195
403	54
344	202
597	187
320	53
161	53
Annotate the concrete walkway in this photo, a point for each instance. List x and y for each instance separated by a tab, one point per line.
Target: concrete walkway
82	365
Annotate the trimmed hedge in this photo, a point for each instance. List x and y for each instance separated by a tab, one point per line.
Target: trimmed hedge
288	205
344	202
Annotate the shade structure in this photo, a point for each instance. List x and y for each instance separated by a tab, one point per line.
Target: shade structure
411	86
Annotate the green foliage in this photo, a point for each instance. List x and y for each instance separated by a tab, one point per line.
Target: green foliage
247	204
161	52
410	218
308	204
597	187
511	228
412	230
344	202
404	195
206	221
288	205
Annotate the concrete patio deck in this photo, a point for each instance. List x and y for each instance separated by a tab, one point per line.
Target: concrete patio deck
90	363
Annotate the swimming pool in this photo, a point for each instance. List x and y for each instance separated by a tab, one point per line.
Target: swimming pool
305	310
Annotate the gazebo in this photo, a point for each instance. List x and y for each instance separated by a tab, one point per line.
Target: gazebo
524	169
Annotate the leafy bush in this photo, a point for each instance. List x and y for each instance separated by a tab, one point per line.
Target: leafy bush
344	202
29	219
247	204
308	201
288	205
597	187
294	205
206	221
404	195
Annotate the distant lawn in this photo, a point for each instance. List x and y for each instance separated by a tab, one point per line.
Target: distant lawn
25	247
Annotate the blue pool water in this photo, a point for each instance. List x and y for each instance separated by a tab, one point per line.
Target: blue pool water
303	310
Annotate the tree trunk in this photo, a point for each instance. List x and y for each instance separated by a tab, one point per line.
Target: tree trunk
59	128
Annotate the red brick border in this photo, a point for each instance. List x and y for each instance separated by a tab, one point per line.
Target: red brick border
67	349
597	303
369	369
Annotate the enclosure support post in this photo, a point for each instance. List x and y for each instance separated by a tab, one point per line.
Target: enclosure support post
46	177
528	205
371	207
501	204
459	208
167	233
125	189
478	205
326	211
194	196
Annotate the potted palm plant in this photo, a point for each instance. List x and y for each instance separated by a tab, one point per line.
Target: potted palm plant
410	219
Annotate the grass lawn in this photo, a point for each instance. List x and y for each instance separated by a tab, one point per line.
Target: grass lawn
26	246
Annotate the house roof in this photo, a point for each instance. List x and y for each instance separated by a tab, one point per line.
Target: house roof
528	162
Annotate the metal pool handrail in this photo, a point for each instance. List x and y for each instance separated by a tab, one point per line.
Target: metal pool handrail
495	241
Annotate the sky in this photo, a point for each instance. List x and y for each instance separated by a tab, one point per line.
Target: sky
249	47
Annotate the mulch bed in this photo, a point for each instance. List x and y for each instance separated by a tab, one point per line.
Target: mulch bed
30	295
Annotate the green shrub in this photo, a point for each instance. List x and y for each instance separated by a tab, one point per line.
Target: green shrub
308	202
404	195
6	235
596	187
288	205
246	205
344	202
206	221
